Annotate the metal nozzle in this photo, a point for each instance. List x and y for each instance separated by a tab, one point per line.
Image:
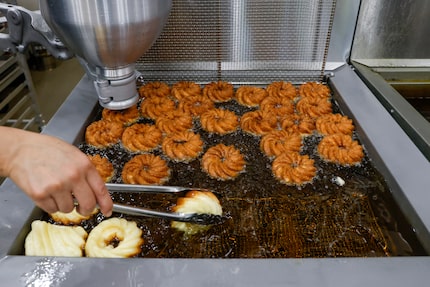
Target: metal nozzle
108	37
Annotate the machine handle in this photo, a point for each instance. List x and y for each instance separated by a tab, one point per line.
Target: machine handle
26	27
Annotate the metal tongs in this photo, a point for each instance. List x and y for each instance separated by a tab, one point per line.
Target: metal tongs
197	218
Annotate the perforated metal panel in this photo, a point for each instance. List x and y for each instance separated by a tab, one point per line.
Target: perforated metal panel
240	41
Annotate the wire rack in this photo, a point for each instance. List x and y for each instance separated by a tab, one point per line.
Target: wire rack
242	41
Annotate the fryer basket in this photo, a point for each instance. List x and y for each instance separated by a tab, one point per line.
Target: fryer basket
242	41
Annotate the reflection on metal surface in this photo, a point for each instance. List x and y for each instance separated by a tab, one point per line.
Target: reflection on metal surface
107	34
47	272
392	29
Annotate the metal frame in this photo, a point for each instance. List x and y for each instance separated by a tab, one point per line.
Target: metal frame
24	111
393	152
414	124
390	42
409	187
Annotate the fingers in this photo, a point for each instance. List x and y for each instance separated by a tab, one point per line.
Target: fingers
101	193
48	204
54	173
52	196
59	191
64	201
85	198
92	191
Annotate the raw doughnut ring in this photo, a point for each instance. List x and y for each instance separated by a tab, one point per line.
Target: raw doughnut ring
71	218
47	239
114	238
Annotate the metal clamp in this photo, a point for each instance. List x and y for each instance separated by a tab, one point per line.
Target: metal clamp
26	27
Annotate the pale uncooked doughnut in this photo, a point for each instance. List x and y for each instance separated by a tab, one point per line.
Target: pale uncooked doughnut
114	237
46	239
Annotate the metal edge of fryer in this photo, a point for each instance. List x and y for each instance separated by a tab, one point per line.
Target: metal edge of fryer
15	211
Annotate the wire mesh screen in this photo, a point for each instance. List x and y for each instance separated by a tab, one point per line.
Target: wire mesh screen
242	41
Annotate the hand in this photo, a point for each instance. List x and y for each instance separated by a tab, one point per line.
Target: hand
53	173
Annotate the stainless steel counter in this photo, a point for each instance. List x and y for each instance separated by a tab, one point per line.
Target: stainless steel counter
406	169
396	272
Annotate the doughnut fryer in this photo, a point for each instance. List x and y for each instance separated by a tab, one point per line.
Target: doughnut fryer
357	49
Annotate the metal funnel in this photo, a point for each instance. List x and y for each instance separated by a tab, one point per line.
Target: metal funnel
108	36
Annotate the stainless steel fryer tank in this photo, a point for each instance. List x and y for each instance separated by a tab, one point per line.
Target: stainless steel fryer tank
391	54
394	153
17	269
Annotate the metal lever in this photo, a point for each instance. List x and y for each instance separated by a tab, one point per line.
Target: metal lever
26	27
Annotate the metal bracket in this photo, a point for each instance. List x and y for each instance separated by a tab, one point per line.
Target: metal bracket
26	27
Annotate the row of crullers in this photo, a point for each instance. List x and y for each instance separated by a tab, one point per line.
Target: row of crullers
113	237
277	109
220	162
283	116
223	91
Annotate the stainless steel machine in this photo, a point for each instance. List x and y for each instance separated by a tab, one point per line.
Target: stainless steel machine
107	37
343	43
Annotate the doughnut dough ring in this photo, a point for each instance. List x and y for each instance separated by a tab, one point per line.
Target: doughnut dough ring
114	238
71	218
47	239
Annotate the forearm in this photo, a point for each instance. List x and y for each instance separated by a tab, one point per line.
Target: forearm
11	139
